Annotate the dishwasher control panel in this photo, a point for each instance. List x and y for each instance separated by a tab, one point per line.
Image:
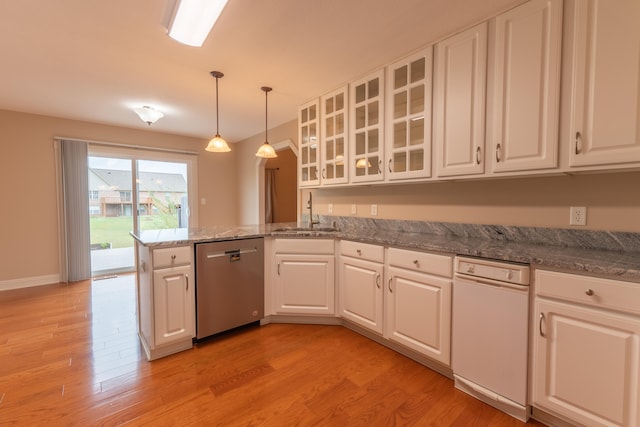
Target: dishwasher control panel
495	270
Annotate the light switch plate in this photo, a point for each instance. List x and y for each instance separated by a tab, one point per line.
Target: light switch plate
374	210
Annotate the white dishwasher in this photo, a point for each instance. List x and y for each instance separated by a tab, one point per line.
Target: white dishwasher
490	332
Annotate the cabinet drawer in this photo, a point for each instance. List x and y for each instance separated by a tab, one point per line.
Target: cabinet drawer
168	257
440	265
362	250
594	291
305	246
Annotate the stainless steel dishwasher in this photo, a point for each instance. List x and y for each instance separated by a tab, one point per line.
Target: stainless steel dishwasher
229	285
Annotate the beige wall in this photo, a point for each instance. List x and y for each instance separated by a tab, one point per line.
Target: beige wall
28	212
612	201
248	166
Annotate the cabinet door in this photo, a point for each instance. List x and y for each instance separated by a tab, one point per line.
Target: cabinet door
418	313
308	157
408	141
605	122
361	293
304	284
459	102
585	364
526	87
366	136
334	137
173	303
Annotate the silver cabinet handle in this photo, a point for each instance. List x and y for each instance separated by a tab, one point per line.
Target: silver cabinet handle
186	276
380	166
278	268
324	174
378	280
478	155
589	292
540	325
390	160
498	153
578	138
389	284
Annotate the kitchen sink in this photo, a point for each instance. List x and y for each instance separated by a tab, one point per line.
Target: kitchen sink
307	231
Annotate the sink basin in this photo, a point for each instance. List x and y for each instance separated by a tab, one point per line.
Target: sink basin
303	230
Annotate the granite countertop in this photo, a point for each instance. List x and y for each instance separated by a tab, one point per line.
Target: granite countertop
614	255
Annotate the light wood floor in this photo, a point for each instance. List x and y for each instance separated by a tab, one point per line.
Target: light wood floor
69	355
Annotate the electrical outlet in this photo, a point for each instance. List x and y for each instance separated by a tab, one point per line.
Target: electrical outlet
578	216
354	209
374	210
330	208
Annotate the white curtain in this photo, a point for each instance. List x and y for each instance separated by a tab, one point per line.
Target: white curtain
270	195
75	208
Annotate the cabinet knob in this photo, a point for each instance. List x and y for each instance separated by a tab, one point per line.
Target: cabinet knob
173	258
359	252
589	292
416	263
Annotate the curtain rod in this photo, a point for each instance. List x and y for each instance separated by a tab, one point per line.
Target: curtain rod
135	147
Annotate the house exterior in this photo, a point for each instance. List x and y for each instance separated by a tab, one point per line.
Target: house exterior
110	192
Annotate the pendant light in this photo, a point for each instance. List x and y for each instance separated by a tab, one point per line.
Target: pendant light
266	150
217	144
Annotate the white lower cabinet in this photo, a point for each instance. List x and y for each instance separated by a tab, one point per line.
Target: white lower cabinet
586	357
361	277
418	303
303	280
409	303
166	299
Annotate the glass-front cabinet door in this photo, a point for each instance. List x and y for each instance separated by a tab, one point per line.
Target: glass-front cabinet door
366	134
334	137
309	158
408	148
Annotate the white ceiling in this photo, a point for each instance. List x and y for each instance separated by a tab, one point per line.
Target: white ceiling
95	60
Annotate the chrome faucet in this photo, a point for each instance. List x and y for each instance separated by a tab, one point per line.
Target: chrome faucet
310	207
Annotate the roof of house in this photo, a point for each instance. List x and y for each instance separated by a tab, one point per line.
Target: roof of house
120	180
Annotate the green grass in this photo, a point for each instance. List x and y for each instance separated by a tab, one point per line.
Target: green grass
115	230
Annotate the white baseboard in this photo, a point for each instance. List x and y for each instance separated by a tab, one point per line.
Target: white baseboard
28	282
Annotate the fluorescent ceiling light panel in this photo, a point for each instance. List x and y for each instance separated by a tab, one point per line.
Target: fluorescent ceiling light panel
194	19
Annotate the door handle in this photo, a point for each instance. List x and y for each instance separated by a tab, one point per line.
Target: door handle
478	155
498	153
389	284
378	280
186	276
578	138
278	268
540	325
390	161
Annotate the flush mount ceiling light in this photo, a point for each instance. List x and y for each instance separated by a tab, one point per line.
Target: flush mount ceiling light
194	19
217	144
148	114
266	150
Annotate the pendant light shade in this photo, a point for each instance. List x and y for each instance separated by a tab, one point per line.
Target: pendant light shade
217	144
266	150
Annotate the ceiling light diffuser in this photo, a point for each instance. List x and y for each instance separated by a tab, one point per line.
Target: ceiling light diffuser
194	19
148	114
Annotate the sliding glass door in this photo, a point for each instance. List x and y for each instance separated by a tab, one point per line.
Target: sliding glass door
135	190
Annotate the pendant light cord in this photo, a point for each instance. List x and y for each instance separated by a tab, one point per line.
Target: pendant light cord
266	110
217	109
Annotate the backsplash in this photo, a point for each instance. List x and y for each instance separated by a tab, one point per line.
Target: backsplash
564	237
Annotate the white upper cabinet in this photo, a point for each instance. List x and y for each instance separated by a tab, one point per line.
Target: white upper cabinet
408	140
459	103
334	137
366	125
308	157
523	120
605	110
